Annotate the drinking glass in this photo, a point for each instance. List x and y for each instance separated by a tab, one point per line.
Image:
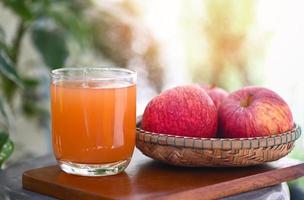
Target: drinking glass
93	112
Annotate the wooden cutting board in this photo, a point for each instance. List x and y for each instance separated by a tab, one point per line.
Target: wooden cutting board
148	179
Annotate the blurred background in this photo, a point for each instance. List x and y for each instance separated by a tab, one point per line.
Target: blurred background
227	43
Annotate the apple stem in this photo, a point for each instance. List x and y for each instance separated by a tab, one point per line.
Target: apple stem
213	85
247	101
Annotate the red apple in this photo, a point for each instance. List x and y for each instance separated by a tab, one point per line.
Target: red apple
254	112
184	111
217	94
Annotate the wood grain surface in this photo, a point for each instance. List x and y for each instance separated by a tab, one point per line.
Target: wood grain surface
148	179
240	185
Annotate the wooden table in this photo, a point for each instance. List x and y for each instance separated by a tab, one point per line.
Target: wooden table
10	180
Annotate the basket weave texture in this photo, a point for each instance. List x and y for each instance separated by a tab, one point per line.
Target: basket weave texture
215	152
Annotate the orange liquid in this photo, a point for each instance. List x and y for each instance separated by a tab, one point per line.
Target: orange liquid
93	123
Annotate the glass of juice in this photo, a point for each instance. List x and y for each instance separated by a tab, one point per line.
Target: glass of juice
93	119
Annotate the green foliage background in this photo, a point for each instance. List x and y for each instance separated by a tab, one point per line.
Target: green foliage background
51	24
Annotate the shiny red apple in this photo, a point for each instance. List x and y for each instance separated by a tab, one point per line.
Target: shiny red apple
184	111
254	112
217	94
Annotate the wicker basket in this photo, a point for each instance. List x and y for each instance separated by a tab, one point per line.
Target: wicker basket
215	152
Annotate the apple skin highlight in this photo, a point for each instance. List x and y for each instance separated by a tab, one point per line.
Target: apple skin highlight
182	111
254	112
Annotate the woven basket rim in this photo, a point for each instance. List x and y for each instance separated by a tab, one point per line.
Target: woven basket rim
296	126
219	143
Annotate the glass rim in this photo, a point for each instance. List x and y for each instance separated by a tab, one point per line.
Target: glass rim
60	72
